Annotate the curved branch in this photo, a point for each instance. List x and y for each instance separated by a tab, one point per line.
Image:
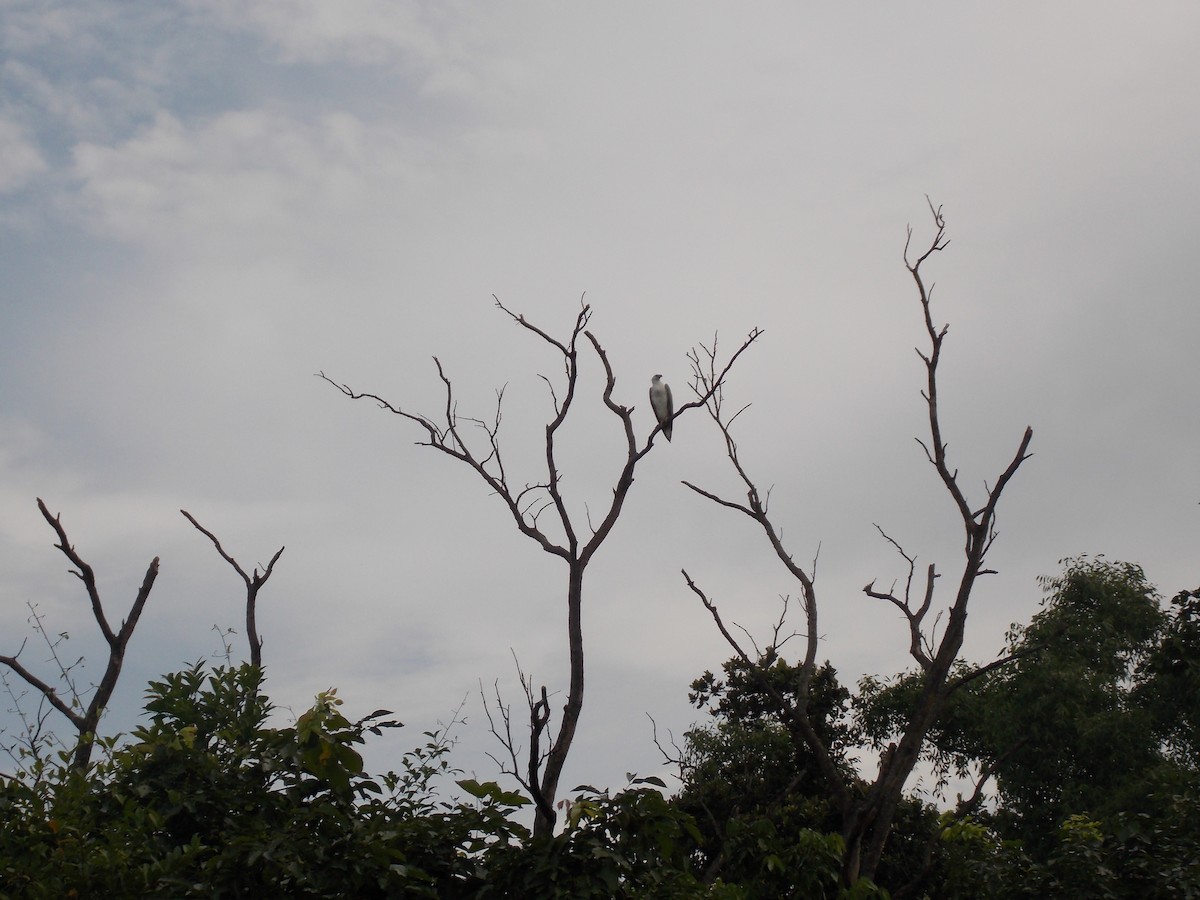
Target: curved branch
440	439
84	572
50	693
796	715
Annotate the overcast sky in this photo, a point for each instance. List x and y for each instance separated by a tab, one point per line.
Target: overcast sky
204	203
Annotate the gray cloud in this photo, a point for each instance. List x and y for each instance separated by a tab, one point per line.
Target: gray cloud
224	201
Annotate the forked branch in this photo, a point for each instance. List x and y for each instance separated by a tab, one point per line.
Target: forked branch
529	775
85	723
254	582
867	817
919	642
529	507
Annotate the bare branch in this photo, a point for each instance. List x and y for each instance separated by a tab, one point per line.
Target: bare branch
526	506
116	659
777	643
86	723
436	435
50	693
505	738
706	384
82	571
448	441
581	321
867	817
716	615
919	645
678	759
539	718
753	643
254	583
1001	662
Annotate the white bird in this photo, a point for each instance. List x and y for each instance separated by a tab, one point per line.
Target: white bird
662	404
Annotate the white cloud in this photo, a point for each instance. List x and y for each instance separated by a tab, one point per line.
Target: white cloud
32	25
20	158
87	68
362	31
241	172
444	47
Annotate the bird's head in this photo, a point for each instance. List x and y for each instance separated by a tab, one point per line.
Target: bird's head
656	379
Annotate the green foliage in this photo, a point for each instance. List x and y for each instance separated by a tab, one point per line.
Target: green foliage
631	844
748	766
210	801
742	698
976	864
1087	746
1130	857
765	818
750	754
1060	722
1169	678
1157	855
783	862
1092	729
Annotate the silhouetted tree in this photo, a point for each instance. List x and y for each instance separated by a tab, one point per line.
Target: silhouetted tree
867	815
85	719
573	542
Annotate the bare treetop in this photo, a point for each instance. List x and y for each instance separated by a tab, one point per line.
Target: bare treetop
85	722
867	817
529	504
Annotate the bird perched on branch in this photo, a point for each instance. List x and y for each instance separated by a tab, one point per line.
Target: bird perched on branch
662	404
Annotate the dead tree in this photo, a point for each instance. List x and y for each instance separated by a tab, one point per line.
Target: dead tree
254	582
86	721
526	504
867	816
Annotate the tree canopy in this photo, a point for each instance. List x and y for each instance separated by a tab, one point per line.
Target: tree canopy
1084	738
